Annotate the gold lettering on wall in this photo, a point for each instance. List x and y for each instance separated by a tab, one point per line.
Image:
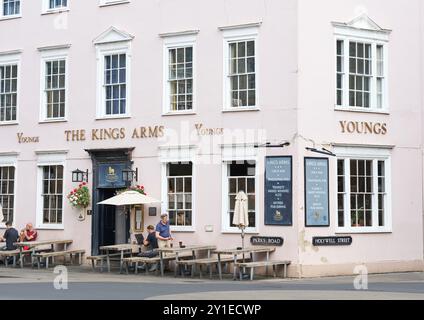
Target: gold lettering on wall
24	139
202	131
362	127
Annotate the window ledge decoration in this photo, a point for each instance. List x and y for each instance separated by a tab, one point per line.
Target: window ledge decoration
80	197
137	188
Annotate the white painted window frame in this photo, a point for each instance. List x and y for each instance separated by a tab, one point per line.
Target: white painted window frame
50	158
225	219
239	33
176	41
14	57
46	10
164	192
11	160
363	153
106	3
374	38
46	56
103	50
12	16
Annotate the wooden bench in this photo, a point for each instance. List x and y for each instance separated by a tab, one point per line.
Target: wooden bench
100	258
9	254
47	255
208	262
15	254
147	261
253	265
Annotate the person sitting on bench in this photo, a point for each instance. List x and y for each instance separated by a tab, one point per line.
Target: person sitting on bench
151	244
29	234
10	237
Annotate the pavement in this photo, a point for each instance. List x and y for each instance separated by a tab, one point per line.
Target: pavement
82	283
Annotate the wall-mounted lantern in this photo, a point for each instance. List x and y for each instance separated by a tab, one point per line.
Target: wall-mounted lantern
79	176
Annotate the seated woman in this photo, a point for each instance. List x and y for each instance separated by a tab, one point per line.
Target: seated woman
29	234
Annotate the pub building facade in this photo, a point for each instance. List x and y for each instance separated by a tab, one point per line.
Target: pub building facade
312	108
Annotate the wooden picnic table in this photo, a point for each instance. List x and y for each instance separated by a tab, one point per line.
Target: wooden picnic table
33	245
236	252
178	250
122	249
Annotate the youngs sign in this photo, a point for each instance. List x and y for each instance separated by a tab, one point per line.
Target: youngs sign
363	127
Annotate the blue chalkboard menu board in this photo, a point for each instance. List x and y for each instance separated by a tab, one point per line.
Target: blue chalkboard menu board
317	213
279	191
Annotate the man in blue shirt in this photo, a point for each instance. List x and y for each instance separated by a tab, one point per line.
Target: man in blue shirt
163	232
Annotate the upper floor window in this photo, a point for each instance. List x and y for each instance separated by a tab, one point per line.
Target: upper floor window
115	84
11	8
50	6
113	67
240	67
56	4
179	72
361	66
9	67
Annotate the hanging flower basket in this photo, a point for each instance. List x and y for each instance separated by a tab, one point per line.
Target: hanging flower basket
137	188
80	197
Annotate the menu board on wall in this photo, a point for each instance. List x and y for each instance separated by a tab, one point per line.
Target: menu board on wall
317	213
278	191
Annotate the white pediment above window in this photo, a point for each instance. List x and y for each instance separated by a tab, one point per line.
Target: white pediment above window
113	35
362	26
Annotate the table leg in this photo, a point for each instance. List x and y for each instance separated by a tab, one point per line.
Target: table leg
108	261
162	273
219	266
122	261
21	257
267	259
235	267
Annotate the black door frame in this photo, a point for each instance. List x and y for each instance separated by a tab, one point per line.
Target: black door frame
103	156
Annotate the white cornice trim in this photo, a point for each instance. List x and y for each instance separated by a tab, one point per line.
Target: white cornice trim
44	152
120	36
178	33
241	26
9	154
358	145
11	52
172	147
57	47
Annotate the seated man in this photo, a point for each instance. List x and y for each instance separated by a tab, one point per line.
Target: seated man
151	244
10	237
29	234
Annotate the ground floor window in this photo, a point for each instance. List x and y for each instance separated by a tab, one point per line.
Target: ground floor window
52	194
7	193
180	194
362	193
241	176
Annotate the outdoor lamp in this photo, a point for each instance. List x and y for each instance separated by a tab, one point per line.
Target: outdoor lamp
79	176
129	175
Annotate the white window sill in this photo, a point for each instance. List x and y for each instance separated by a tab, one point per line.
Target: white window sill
11	17
52	121
361	110
183	229
126	116
50	227
113	3
12	123
363	231
178	113
238	231
240	109
54	11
